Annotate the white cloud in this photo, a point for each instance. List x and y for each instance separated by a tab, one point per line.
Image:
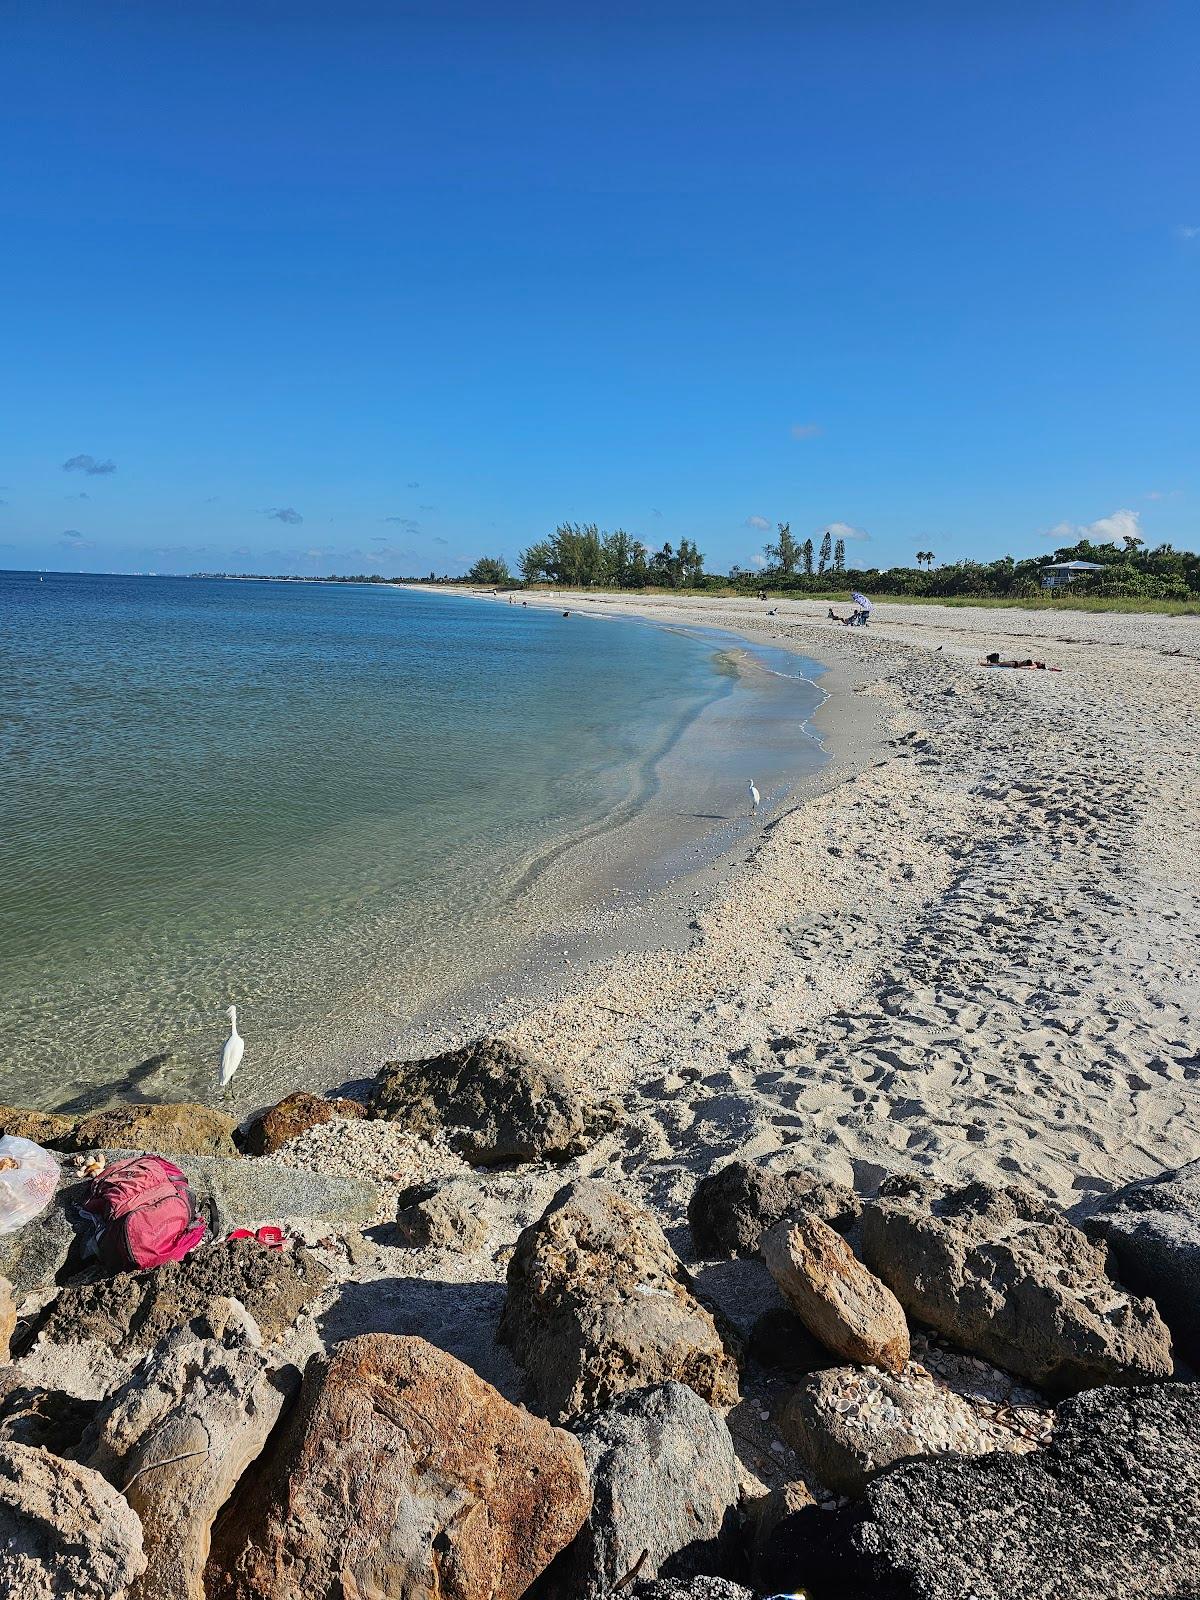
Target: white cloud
1187	233
1112	529
758	562
806	430
757	522
845	530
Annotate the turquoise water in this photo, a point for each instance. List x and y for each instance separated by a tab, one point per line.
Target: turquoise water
315	801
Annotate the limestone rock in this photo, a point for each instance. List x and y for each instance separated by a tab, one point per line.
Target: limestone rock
443	1215
1002	1274
732	1209
599	1303
271	1129
1153	1230
65	1534
664	1480
1111	1507
209	1397
838	1300
847	1424
400	1473
46	1128
162	1130
49	1418
134	1310
492	1103
8	1317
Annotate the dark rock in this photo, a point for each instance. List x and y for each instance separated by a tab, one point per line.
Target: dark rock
270	1130
599	1303
65	1534
664	1481
1110	1508
781	1342
783	1528
400	1473
732	1209
690	1589
443	1215
1153	1230
134	1310
46	1128
162	1130
999	1272
492	1103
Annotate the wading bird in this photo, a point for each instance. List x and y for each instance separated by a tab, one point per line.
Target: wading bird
231	1055
755	799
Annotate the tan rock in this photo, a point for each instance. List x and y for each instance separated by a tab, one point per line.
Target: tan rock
8	1317
165	1130
273	1128
65	1534
43	1127
842	1304
401	1473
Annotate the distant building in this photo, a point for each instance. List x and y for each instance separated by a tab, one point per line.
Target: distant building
1060	572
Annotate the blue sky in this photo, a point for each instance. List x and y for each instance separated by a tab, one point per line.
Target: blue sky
339	287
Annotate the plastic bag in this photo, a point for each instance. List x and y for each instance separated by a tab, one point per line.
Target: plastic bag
28	1178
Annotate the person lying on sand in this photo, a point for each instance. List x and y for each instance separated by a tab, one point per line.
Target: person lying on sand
994	661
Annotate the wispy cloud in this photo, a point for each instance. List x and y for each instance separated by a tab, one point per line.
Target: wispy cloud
1105	530
426	508
806	430
88	464
409	524
72	539
284	514
436	540
413	486
1187	232
845	530
82	495
757	522
1163	494
655	512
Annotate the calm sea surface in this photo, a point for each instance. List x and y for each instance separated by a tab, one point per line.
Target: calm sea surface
315	801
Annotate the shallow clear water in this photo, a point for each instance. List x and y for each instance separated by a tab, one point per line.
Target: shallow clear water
311	800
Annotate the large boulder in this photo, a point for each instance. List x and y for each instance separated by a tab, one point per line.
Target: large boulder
180	1434
134	1310
46	1128
1110	1507
599	1303
164	1130
492	1103
400	1473
838	1300
664	1494
65	1534
732	1209
847	1424
1002	1274
271	1129
1153	1230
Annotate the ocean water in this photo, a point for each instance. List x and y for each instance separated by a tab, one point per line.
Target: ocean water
333	805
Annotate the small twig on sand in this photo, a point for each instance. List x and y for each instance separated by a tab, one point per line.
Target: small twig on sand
151	1465
631	1574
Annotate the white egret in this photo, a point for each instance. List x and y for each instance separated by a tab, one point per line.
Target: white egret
231	1055
755	799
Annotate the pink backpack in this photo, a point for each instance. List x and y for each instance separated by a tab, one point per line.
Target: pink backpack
145	1214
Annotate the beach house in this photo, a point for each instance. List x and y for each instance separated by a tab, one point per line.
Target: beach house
1058	573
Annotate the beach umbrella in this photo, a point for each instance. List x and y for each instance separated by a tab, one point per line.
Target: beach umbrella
860	600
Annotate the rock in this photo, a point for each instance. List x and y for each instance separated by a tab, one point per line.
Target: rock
492	1103
34	1256
783	1528
692	1589
1153	1230
50	1419
781	1342
271	1129
180	1434
847	1424
134	1310
46	1128
838	1300
400	1473
1002	1274
1110	1507
8	1317
599	1303
732	1209
64	1532
162	1130
664	1480
443	1215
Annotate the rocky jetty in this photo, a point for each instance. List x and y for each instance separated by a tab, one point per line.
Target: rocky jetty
493	1104
599	1303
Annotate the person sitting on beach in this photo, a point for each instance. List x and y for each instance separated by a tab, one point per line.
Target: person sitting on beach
994	660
